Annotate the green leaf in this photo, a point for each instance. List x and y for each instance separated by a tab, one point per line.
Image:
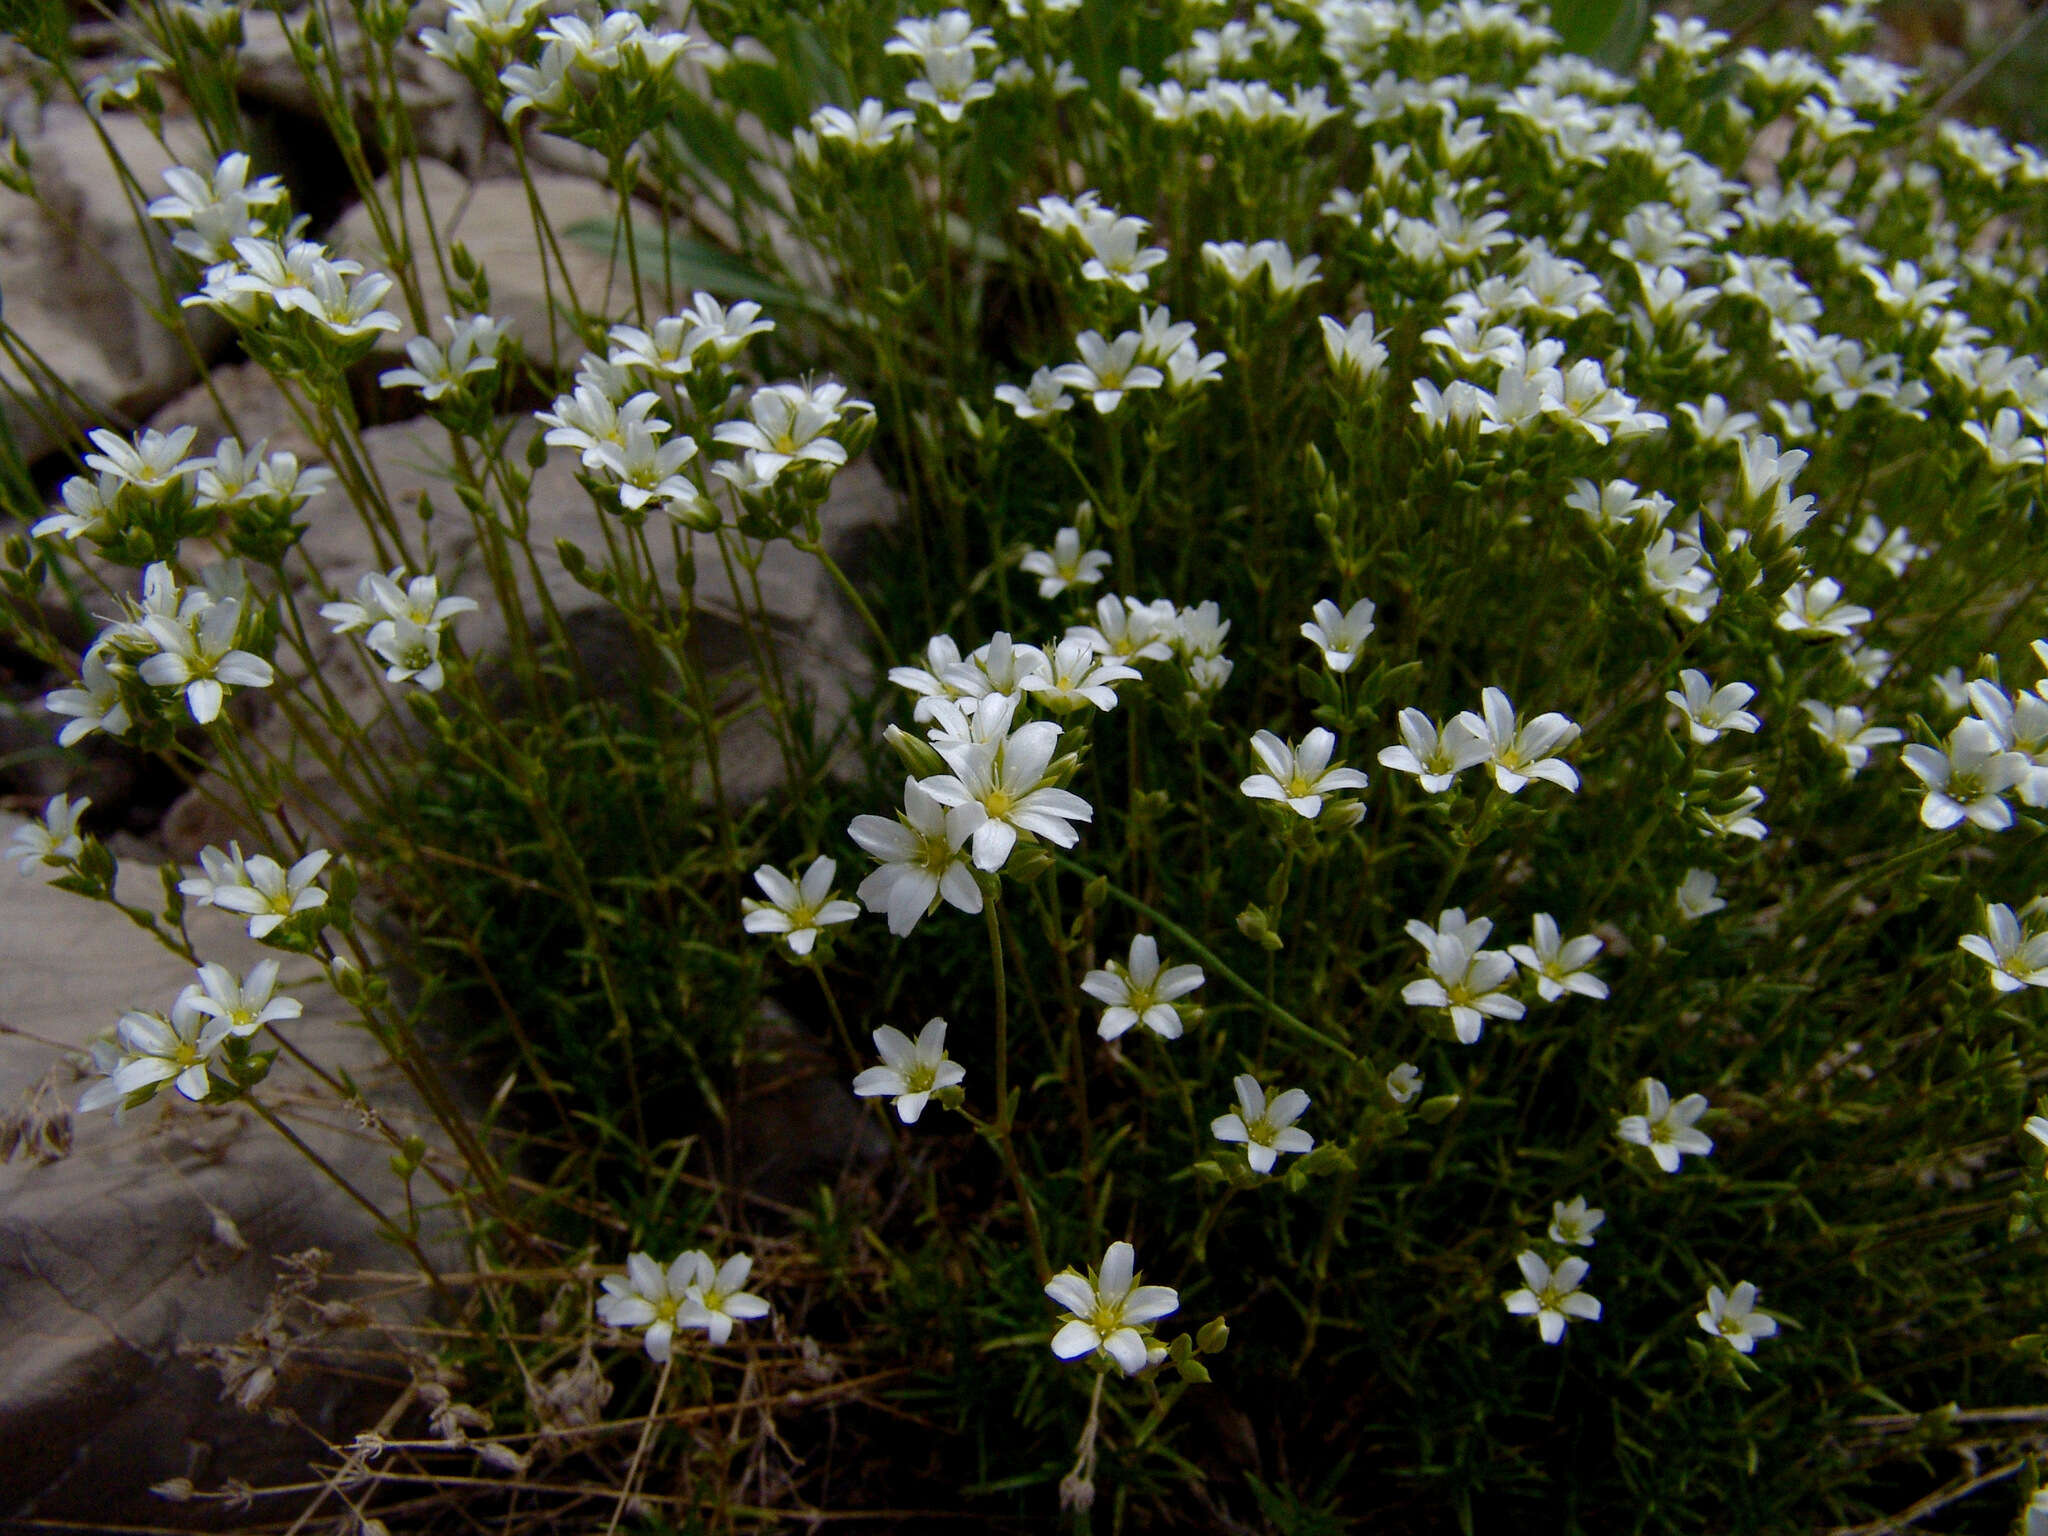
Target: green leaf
1608	31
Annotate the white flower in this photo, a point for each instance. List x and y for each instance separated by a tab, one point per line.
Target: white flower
1404	1083
380	597
1894	549
434	373
1300	776
1130	630
1265	1129
241	1007
1075	675
1695	895
796	909
1435	759
1715	423
920	859
725	331
1238	264
589	417
1356	353
1667	1129
1040	400
1968	779
1734	820
1065	565
1520	752
1140	992
260	888
786	425
151	1050
154	462
868	130
1108	1313
1108	369
54	841
1819	609
219	206
998	791
1558	965
714	1300
2017	959
1189	368
1340	633
1709	710
1552	1298
2003	443
646	471
911	1071
1842	730
1733	1317
690	1293
1114	253
200	658
90	509
1464	980
1573	1223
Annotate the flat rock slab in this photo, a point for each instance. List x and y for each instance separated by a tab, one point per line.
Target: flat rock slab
162	1230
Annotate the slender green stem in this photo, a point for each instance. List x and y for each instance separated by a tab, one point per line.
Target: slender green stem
1209	957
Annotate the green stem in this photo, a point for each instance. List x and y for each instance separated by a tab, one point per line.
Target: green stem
1209	957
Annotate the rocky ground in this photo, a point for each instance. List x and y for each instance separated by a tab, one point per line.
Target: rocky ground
163	1316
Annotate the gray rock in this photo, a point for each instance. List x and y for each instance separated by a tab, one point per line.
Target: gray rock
77	282
494	220
126	1245
817	637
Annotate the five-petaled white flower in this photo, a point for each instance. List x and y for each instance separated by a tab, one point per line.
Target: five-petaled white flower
1668	1129
1404	1083
1695	896
1733	1316
200	658
1300	776
1108	1313
1433	757
912	1070
921	861
1843	730
1709	710
1559	965
52	842
1065	565
1266	1129
1340	633
1967	781
260	888
1819	610
1140	992
1074	675
691	1293
1464	980
2017	959
796	909
1108	369
1552	1297
1573	1222
241	1007
95	705
1521	752
714	1300
1040	400
150	1050
999	790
